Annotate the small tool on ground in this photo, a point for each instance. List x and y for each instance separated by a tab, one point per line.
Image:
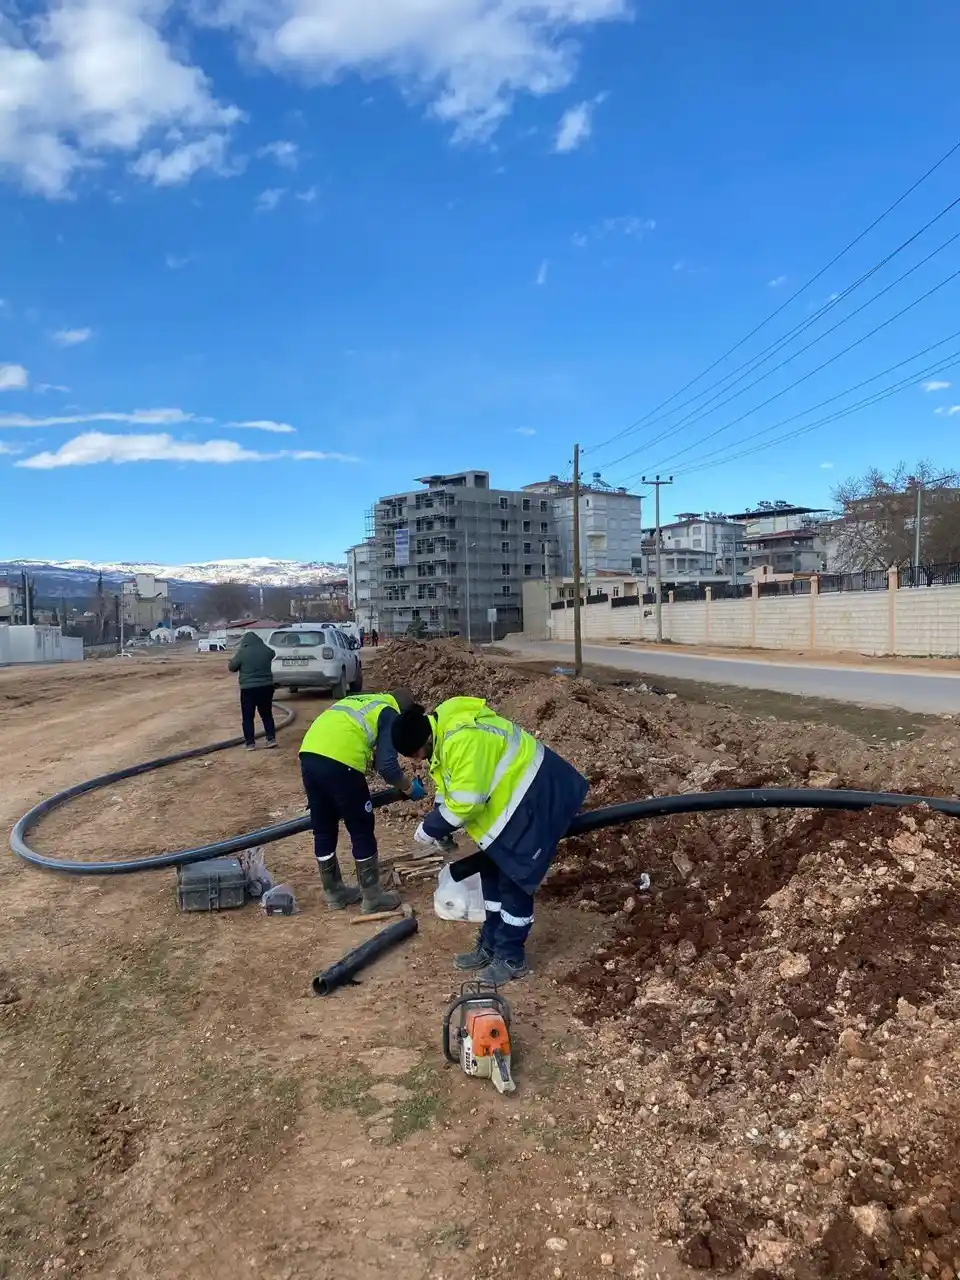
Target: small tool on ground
403	910
476	1033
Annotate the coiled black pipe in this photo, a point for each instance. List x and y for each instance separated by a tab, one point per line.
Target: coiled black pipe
713	801
357	959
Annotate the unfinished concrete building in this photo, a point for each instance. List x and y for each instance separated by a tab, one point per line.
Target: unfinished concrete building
446	555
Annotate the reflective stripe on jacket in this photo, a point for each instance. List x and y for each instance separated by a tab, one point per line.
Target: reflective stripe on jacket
482	766
347	731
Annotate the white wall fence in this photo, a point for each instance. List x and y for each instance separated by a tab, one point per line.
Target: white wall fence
910	621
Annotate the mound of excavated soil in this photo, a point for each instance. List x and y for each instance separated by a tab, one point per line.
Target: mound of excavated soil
778	1017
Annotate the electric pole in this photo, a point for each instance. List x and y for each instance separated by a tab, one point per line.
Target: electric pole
657	482
577	637
916	532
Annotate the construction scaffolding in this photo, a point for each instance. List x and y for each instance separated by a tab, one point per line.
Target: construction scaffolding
447	555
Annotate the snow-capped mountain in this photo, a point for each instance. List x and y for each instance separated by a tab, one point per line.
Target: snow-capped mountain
258	571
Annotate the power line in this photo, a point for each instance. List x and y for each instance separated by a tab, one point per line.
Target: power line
812	373
750	366
940	366
783	306
912	379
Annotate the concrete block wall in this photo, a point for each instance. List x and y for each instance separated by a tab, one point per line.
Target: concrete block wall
917	622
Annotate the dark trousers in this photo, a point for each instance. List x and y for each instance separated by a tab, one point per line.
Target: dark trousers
253	702
336	793
509	913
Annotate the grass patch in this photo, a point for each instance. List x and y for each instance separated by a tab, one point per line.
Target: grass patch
350	1093
452	1235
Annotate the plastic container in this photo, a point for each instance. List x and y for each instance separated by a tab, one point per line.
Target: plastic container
463	901
218	884
279	901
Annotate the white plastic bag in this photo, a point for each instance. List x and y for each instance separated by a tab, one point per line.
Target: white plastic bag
463	901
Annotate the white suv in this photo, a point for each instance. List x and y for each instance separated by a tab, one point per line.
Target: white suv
315	655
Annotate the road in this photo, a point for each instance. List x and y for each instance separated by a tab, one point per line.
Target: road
934	694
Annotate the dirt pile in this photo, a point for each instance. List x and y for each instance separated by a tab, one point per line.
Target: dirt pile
777	1018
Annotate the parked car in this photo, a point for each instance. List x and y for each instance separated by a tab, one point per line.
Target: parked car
315	655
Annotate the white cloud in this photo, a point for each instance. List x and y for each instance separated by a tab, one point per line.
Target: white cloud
176	261
776	282
264	424
935	385
307	196
468	58
84	80
285	154
42	388
95	447
72	337
526	431
628	225
175	167
139	417
543	272
8	449
576	126
948	411
826	466
268	200
13	377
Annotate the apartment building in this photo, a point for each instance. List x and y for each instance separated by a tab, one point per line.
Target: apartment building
451	557
611	524
146	604
361	566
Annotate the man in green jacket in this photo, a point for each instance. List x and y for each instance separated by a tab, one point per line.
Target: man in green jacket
253	660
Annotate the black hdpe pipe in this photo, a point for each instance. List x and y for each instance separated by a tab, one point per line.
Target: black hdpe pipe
160	861
715	801
344	970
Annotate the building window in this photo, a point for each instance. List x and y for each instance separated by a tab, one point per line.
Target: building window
504	526
526	504
544	506
505	570
504	504
506	589
527	548
544	527
528	570
543	571
505	548
526	526
616	591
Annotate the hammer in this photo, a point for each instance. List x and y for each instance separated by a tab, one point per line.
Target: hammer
403	910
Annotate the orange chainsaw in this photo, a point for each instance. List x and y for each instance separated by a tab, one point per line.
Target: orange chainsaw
476	1033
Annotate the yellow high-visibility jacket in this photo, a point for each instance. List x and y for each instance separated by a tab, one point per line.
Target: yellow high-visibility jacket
482	766
347	731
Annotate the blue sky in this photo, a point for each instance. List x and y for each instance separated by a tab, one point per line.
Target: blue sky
282	258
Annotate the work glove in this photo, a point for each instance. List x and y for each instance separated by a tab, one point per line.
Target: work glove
446	845
417	790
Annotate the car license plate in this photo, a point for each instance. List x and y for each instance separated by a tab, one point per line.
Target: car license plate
294	662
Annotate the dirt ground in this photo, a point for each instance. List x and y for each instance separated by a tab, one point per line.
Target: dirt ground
750	1068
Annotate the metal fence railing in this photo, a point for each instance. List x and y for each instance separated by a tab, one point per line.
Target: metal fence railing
794	587
869	580
928	575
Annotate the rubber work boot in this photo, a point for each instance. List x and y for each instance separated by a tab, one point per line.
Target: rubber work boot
479	958
500	972
337	894
374	898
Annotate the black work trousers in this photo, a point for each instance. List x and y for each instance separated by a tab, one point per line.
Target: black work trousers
336	793
253	702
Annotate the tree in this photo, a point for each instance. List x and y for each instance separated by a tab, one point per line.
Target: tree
417	629
878	525
224	601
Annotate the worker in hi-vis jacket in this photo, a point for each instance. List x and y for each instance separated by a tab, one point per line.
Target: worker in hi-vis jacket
512	795
337	751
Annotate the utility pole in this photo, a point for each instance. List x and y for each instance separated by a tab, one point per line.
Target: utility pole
577	637
466	551
916	531
657	482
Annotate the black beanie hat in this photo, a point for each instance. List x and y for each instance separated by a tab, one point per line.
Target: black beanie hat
410	731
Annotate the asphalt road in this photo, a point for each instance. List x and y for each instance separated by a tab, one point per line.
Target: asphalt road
934	694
